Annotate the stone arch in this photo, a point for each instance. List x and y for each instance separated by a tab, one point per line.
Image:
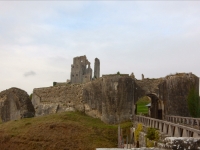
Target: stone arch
157	106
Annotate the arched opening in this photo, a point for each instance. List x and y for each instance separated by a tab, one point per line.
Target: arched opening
156	107
141	107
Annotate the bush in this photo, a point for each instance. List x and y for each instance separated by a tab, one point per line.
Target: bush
193	103
137	131
31	96
149	143
152	134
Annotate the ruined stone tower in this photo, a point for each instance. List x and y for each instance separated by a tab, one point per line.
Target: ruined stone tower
96	68
80	70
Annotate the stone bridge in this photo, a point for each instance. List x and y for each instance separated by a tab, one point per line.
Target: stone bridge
187	121
174	126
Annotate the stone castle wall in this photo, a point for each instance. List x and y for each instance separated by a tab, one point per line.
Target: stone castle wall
109	98
174	91
57	99
112	98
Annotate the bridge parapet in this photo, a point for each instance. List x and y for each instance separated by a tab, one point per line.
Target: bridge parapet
169	128
188	121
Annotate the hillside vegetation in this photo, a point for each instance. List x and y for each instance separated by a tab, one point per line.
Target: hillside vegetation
63	131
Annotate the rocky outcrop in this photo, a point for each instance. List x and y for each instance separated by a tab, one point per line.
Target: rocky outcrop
15	104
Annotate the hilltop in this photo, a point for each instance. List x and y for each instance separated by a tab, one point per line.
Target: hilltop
62	131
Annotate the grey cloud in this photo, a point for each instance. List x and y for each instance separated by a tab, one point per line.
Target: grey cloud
30	73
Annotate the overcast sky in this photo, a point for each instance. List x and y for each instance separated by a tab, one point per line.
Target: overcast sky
38	39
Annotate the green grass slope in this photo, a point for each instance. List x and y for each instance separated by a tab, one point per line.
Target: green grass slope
63	131
141	105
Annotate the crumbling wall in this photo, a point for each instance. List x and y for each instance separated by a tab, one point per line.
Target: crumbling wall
125	99
148	86
57	99
80	70
174	91
15	104
111	97
92	98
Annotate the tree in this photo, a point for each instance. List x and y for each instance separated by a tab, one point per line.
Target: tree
193	103
31	96
118	73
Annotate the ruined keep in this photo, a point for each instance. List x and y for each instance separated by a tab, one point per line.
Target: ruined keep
96	68
80	70
15	104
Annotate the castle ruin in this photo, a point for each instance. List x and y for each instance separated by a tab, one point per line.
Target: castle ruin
112	98
81	71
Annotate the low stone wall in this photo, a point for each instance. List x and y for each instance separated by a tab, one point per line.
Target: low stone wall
142	148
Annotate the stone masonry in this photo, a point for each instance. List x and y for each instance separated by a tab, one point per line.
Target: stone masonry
58	99
96	68
174	91
112	98
80	70
15	104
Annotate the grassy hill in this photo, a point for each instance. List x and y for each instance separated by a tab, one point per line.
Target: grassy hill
63	131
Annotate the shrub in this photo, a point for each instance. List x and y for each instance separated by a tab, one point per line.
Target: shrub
149	143
137	131
193	103
152	134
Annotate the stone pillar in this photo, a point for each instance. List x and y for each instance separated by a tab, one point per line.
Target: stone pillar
142	77
96	68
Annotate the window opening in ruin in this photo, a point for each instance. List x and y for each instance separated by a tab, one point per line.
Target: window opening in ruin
76	74
86	66
72	75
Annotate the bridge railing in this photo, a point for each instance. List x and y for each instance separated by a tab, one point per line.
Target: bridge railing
169	128
189	121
